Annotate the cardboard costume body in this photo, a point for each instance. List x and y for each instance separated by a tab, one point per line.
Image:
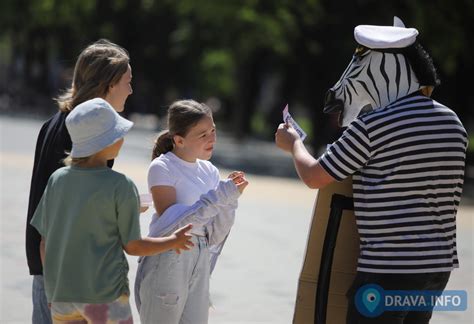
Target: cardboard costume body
331	257
378	74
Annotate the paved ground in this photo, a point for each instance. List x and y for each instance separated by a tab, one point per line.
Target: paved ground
255	279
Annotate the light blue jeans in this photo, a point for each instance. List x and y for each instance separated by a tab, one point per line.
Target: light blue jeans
173	288
41	311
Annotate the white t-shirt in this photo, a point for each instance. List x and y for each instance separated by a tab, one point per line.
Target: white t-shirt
190	179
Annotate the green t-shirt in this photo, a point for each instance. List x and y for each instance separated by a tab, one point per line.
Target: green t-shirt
86	215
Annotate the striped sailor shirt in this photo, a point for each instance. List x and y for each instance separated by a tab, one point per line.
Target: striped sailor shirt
407	162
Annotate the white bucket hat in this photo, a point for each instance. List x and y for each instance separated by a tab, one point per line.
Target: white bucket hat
93	125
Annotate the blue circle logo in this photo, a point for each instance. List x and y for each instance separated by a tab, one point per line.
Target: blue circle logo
369	300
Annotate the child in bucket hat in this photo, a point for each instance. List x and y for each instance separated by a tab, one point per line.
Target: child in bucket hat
87	216
93	126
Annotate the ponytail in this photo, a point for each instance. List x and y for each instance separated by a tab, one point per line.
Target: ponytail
163	144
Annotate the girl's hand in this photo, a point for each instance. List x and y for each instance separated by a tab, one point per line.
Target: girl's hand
235	174
242	185
182	239
238	177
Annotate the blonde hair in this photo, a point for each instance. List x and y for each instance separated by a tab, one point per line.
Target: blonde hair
99	66
182	116
70	161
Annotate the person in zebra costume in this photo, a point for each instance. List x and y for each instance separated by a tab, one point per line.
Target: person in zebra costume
406	153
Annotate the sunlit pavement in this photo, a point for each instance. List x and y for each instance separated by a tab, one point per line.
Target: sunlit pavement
256	276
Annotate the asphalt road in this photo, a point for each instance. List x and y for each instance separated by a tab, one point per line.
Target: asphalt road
256	276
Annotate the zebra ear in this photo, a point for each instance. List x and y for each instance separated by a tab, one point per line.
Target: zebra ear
397	22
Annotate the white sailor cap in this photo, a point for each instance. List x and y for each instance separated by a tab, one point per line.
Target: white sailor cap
383	37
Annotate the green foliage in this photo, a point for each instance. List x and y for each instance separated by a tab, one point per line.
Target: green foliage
470	147
258	124
307	125
228	48
218	68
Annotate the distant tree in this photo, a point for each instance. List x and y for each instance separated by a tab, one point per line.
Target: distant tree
254	55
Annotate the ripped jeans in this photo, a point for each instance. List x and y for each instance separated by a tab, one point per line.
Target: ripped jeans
173	288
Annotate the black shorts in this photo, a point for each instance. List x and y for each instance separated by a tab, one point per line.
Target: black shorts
418	281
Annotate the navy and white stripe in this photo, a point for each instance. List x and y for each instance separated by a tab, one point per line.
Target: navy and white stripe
407	161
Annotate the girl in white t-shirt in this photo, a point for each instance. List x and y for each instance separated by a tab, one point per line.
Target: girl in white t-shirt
174	287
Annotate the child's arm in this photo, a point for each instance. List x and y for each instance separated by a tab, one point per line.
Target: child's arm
179	240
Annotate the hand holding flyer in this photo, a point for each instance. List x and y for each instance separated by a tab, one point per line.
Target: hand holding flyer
290	121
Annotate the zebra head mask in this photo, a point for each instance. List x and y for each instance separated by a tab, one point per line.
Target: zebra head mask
378	74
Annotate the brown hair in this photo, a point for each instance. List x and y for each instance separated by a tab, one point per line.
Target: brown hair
182	116
99	66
